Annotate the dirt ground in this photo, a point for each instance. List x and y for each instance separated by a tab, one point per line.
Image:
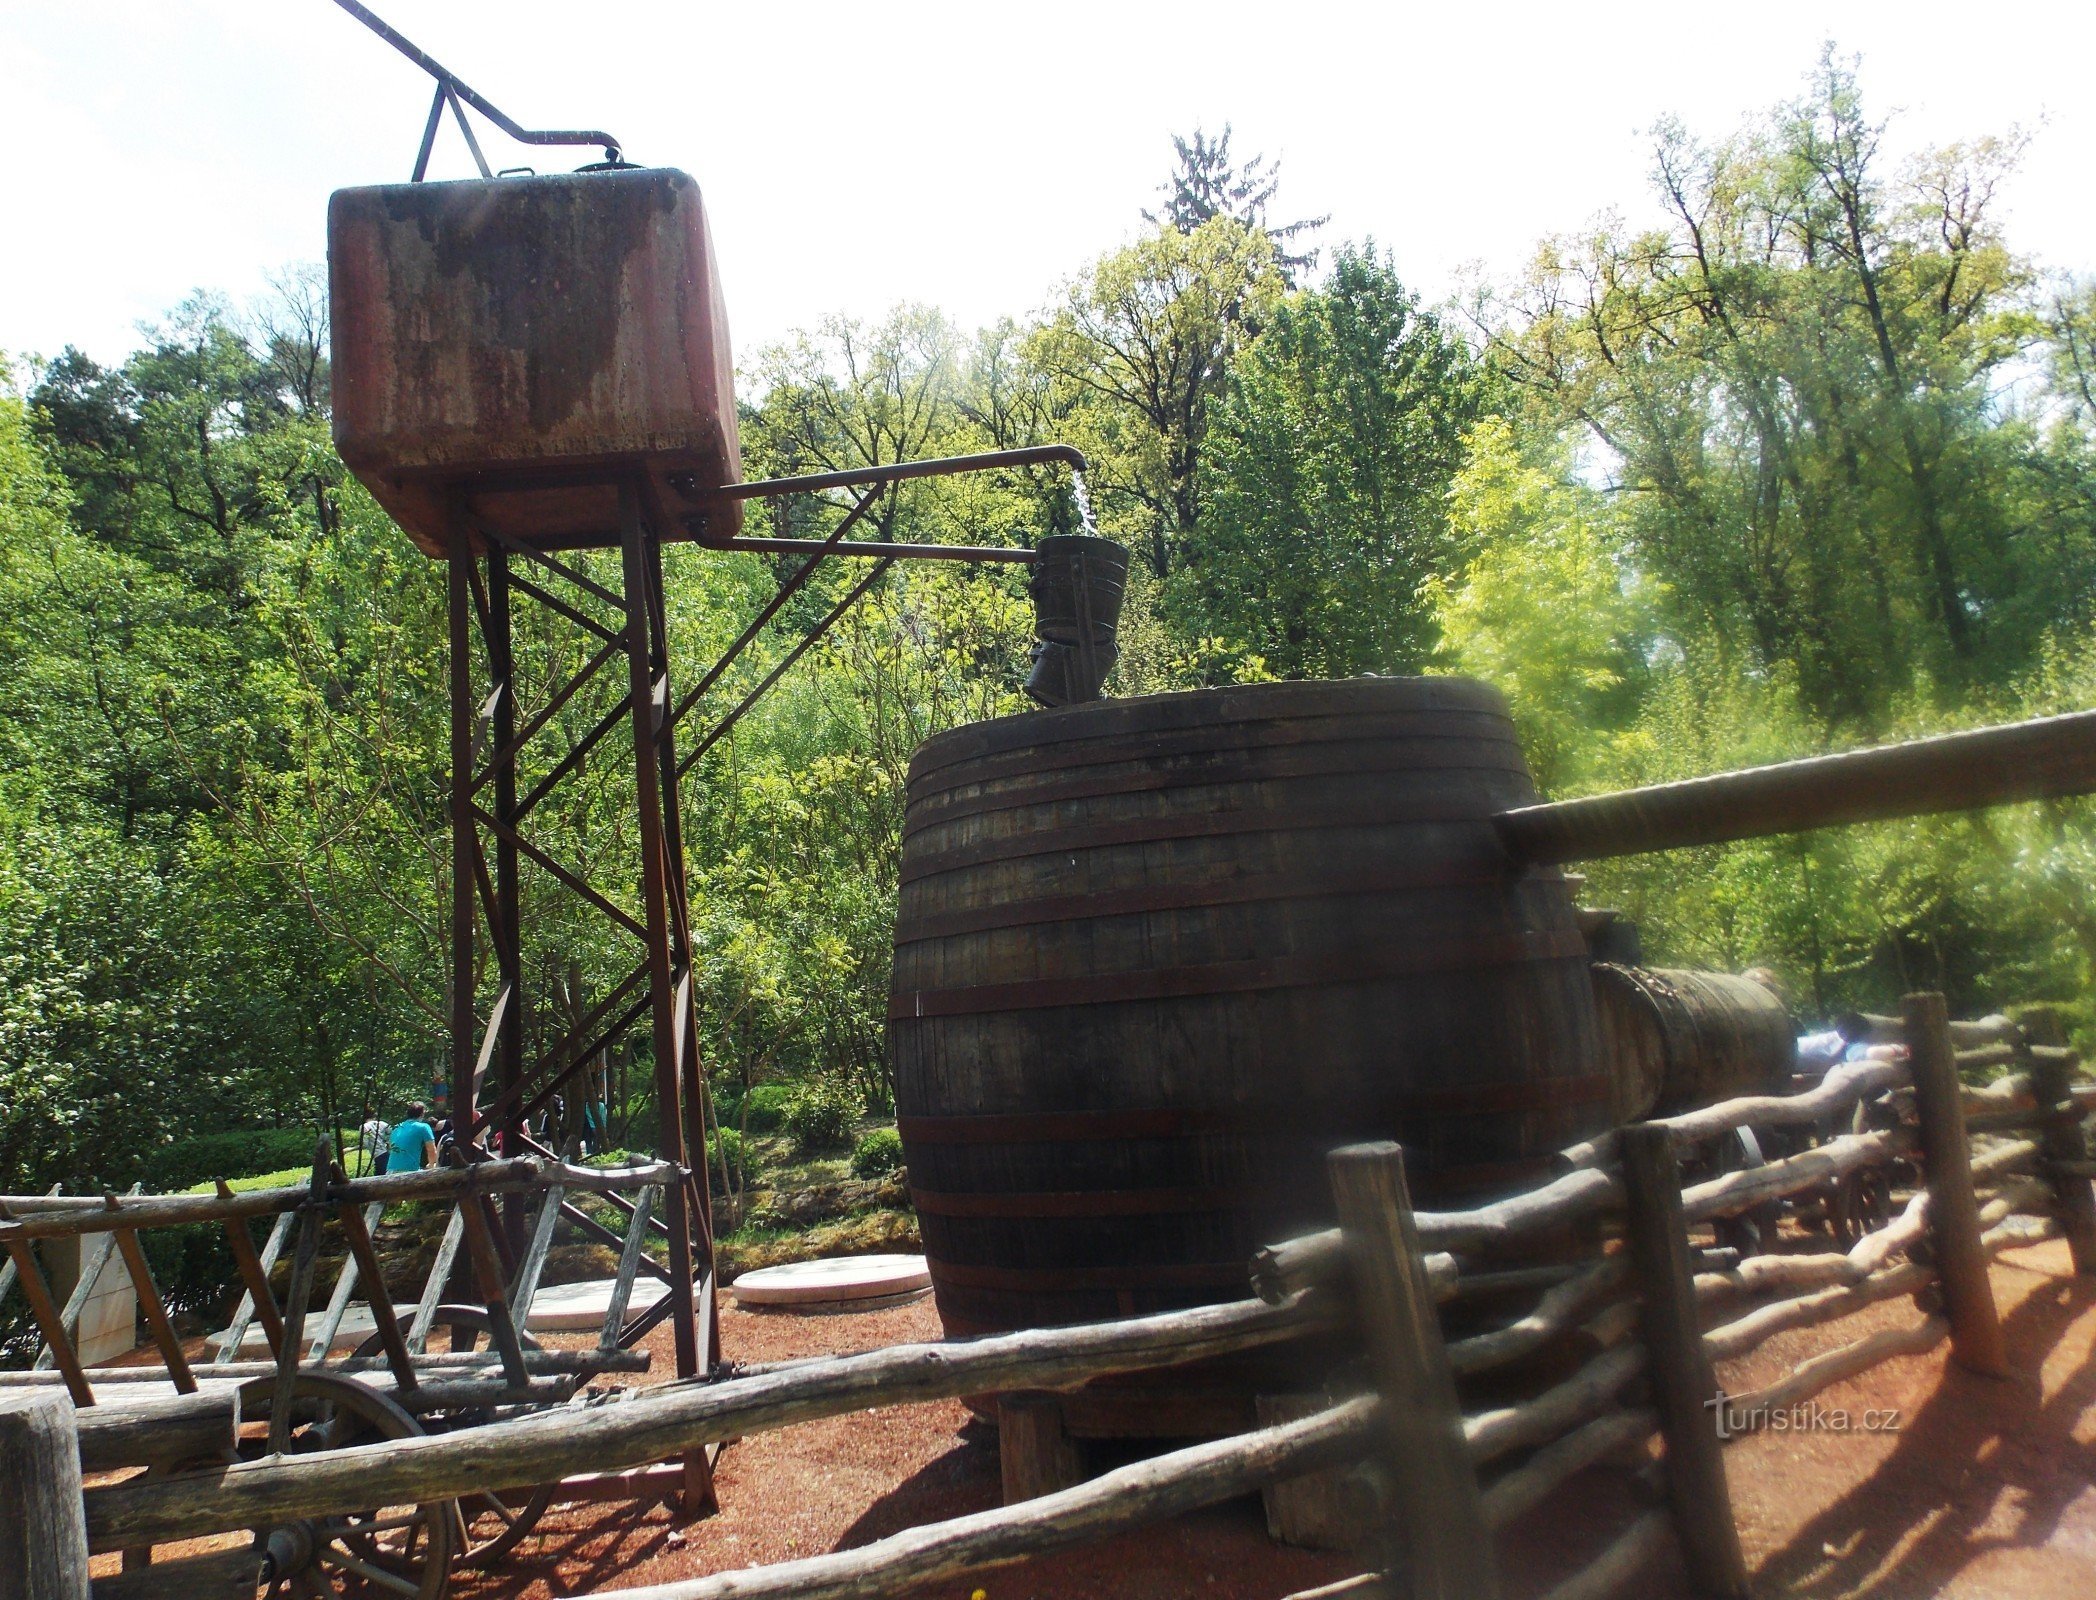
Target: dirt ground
1984	1488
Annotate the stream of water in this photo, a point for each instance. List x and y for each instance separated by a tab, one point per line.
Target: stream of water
1083	497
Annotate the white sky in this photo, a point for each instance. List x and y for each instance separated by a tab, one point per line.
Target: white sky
965	155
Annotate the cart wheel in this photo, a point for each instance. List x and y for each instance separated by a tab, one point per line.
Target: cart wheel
492	1522
376	1554
1749	1231
458	1329
1861	1203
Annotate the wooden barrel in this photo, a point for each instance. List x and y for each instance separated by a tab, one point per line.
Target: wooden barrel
1676	1040
1155	957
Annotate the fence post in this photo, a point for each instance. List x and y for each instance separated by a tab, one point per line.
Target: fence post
1954	1210
2061	1138
1682	1381
43	1526
1442	1549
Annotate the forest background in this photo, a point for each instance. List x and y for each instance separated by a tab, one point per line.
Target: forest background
1807	463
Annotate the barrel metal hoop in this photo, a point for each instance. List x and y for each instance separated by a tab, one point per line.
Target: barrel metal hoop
1207	708
1239	977
1172	1275
1182	896
1194	825
1235	770
1095	1202
1172	1122
1472	728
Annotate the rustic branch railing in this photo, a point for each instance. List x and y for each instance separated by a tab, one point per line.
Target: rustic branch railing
1444	1481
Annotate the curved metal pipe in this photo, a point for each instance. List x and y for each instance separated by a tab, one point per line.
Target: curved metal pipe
479	102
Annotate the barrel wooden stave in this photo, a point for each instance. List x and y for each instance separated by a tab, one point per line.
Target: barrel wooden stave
1678	1039
1155	957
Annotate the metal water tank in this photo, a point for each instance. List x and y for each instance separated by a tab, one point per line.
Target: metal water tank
506	350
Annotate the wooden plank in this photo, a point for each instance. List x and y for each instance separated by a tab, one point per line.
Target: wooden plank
356	1228
305	1257
433	1285
1953	1212
158	1430
1683	1384
345	1284
43	1535
257	1298
1035	1452
157	1324
653	1424
596	1230
487	1272
218	1575
54	1218
629	1266
524	1288
1329	1510
2062	1138
1437	1543
93	1258
48	1320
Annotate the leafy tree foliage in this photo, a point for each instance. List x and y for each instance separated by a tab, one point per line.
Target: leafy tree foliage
1328	465
1208	184
1809	460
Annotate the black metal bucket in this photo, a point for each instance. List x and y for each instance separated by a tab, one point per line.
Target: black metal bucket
1077	586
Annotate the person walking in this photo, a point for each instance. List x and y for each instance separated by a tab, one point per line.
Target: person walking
414	1142
375	1138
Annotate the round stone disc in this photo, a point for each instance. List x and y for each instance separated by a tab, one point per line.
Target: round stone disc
833	1278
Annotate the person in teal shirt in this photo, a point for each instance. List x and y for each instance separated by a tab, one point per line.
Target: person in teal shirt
414	1141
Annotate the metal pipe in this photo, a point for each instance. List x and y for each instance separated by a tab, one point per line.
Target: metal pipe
458	86
2041	759
1017	555
720	729
940	466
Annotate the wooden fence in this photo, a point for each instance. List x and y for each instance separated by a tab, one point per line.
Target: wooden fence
1612	1249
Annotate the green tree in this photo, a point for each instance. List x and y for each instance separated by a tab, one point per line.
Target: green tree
1138	352
1325	485
1794	382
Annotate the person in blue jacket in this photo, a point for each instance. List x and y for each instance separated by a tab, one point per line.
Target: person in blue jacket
414	1142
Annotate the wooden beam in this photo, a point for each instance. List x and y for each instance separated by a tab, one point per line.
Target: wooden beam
1035	1453
49	1321
657	1423
43	1538
51	1217
356	1229
159	1430
488	1273
1953	1212
1439	1547
258	1300
2061	1138
1683	1384
157	1324
1157	1490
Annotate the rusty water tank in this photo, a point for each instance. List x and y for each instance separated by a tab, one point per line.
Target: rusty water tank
1155	957
510	347
1676	1040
